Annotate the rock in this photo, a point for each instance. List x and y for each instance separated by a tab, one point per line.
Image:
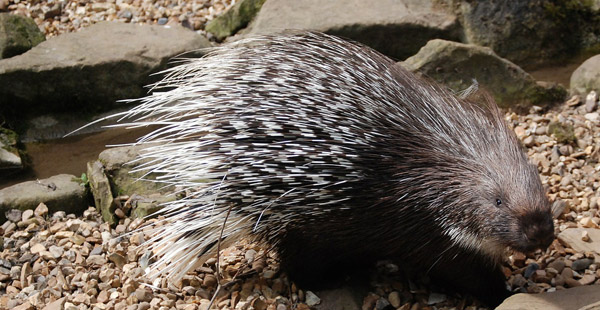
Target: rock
55	305
27	214
118	259
587	279
459	66
557	265
118	165
25	272
18	34
344	298
143	295
37	248
209	281
395	28
394	299
563	133
518	281
585	236
96	251
146	305
56	251
100	188
269	274
527	32
103	297
96	260
572	238
581	264
311	299
518	259
530	270
115	164
234	19
11	152
382	304
41	210
81	299
24	306
13	215
558	208
591	101
54	11
593	117
435	298
91	69
573	298
586	77
60	192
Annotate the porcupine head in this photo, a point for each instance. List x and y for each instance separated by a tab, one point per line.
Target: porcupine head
334	156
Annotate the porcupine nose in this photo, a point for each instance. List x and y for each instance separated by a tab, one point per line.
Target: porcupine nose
539	229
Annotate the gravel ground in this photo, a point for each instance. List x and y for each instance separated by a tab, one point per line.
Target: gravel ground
56	17
47	259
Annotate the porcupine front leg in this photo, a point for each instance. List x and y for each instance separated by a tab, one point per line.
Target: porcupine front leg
475	275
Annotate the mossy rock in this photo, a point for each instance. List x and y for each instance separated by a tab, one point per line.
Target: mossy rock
564	133
236	18
18	34
12	153
458	65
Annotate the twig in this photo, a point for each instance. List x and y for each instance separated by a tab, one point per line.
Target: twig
217	264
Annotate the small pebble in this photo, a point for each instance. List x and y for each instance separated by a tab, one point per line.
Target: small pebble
311	299
558	265
581	264
14	215
394	299
41	210
436	298
585	236
27	214
531	268
587	279
591	101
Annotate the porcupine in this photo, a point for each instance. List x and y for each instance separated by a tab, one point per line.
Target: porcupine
334	156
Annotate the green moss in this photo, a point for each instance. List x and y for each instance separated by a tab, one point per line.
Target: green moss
11	142
563	133
9	138
546	95
234	19
23	34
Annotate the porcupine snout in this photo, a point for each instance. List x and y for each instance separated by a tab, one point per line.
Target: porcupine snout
538	228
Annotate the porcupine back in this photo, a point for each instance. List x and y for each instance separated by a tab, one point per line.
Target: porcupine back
329	152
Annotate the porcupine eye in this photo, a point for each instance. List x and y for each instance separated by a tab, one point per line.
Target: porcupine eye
498	202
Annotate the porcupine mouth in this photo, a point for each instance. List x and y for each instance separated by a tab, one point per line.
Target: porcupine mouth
529	243
530	246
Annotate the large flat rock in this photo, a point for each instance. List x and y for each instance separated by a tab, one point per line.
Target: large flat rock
397	28
90	70
61	192
583	297
572	238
